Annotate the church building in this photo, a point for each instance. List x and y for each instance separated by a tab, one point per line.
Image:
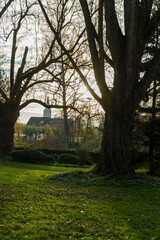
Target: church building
46	119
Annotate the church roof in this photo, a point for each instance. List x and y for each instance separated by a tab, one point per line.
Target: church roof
41	121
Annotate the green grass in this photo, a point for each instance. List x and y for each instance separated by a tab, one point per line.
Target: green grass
35	205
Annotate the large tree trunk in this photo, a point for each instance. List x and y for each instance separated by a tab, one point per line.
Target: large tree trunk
116	142
8	118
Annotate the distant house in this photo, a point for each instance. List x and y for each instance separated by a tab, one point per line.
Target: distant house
45	120
41	121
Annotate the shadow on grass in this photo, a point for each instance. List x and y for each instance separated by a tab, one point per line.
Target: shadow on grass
77	205
90	179
133	201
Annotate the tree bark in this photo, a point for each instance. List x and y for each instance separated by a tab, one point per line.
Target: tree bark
115	154
8	118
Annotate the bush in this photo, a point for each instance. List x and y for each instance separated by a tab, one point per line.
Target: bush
55	156
20	148
95	156
154	168
31	156
69	158
139	159
85	157
58	152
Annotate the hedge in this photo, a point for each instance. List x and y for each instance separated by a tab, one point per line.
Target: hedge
31	156
69	159
86	157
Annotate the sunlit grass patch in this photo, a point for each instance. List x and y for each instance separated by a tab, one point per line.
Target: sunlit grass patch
33	207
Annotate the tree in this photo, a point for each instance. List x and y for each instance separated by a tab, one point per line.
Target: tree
18	131
152	93
23	71
85	126
123	48
50	137
66	87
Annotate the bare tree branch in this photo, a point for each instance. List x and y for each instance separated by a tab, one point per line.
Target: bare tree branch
14	48
18	79
69	56
146	80
23	105
5	7
114	36
152	26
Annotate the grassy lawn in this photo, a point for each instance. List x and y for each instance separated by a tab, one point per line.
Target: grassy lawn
35	206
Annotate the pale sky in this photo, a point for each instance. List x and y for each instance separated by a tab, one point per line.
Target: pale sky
31	33
36	110
32	110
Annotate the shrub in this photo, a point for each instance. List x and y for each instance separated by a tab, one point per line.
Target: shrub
55	156
31	156
85	157
20	148
58	152
95	156
69	158
155	165
139	159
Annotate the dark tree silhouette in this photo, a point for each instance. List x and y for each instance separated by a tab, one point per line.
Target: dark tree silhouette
123	48
14	87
